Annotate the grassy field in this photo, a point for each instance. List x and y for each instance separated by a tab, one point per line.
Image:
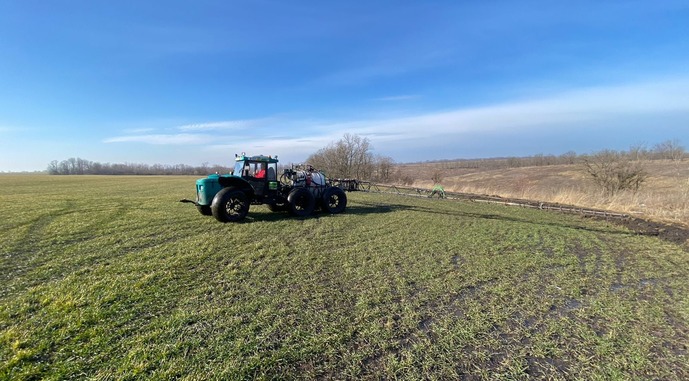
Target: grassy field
111	278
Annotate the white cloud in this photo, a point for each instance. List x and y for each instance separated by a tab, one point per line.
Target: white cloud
604	108
291	149
584	105
225	125
162	139
557	111
138	130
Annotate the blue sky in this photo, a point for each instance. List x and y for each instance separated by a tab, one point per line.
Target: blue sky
197	81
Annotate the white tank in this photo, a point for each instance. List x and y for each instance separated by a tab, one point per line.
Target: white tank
317	179
312	179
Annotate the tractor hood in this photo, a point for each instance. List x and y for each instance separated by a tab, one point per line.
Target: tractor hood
208	187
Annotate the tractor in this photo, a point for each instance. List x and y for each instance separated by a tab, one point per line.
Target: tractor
254	180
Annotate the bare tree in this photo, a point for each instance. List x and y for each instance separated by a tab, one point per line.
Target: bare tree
349	157
437	177
638	152
612	171
670	149
514	162
569	157
383	167
53	168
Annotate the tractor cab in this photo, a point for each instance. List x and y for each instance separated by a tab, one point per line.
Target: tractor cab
260	171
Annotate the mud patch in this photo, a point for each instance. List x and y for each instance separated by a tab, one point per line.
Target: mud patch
572	304
676	234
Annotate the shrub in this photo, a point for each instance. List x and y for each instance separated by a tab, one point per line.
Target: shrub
437	177
613	171
670	150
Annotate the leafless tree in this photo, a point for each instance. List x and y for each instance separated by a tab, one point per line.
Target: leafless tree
639	152
383	168
670	149
612	171
349	157
569	157
437	177
53	168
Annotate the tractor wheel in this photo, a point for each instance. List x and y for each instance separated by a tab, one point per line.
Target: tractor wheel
230	205
204	209
334	200
300	202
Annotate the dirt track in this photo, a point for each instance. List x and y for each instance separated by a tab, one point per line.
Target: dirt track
672	233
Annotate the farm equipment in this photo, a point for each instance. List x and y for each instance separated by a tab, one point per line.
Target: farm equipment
299	190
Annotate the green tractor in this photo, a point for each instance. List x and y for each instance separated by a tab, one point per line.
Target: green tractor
299	190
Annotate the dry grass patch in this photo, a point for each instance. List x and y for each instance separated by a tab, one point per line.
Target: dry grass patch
663	197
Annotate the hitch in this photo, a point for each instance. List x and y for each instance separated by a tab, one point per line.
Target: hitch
189	201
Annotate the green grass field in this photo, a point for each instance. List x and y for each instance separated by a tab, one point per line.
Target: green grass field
112	278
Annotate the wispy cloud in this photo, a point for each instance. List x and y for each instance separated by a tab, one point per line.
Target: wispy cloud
138	130
193	133
589	104
603	107
162	139
558	110
223	125
291	149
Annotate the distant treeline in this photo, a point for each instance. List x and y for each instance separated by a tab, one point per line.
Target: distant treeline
351	157
668	150
79	166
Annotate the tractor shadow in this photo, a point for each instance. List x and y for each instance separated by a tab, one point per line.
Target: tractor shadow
360	208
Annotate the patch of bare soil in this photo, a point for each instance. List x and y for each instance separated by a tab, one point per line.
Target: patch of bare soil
672	233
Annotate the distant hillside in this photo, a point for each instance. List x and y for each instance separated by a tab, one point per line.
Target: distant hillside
663	196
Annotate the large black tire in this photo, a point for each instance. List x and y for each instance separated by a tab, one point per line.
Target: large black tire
300	202
334	200
205	210
230	205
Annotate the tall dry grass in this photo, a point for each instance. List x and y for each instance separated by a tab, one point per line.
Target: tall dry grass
663	197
